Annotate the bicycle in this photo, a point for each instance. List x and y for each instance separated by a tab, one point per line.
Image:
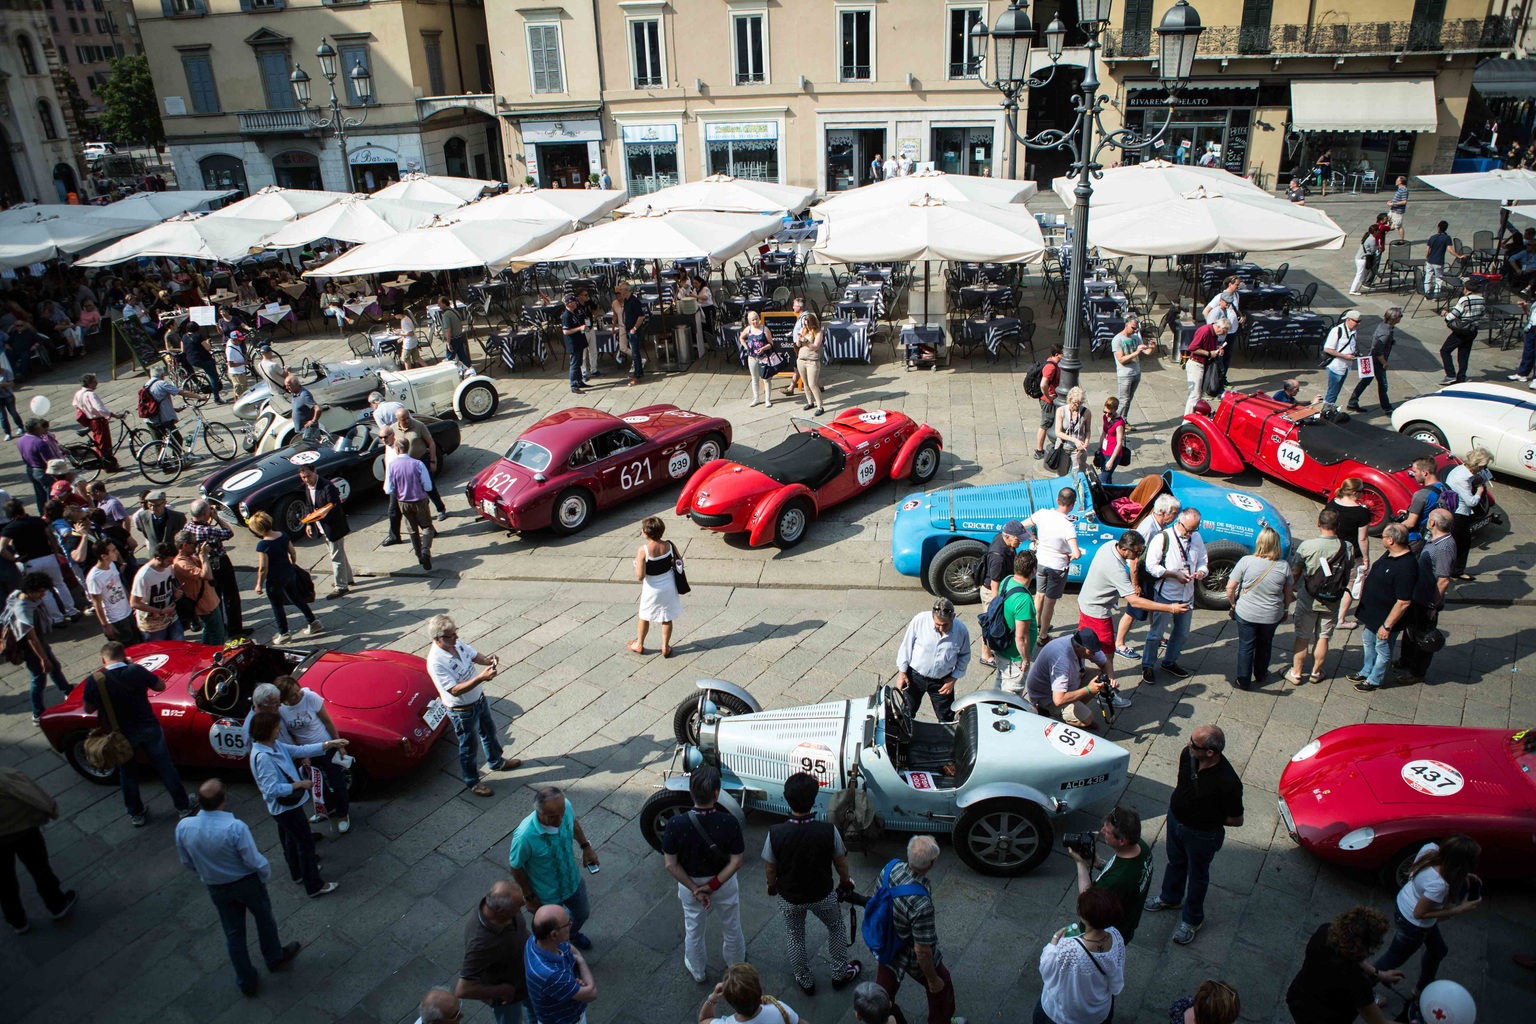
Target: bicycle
87	462
162	460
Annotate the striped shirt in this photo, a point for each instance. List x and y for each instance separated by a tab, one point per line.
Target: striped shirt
552	983
1399	198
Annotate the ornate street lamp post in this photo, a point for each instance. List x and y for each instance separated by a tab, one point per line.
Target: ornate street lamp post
1012	36
362	87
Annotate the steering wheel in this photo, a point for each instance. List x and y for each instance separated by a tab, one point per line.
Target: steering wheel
309	366
221	690
898	721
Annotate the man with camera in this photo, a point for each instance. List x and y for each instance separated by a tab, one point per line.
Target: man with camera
1054	683
206	527
1127	873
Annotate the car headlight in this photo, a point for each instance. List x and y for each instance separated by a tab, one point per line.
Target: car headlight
1307	751
1359	839
245	511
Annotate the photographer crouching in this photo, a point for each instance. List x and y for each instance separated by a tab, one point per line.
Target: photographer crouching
1127	872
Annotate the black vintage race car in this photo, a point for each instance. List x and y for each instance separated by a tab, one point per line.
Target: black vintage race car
352	459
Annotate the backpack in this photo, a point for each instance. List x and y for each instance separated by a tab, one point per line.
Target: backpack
880	917
1330	579
1034	380
149	405
852	813
1445	498
995	631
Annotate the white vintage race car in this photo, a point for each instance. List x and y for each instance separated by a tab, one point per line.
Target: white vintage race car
1465	416
341	383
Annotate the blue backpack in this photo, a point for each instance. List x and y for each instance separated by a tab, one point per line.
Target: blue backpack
880	918
995	630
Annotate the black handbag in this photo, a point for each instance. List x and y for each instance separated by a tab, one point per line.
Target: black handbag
678	576
1055	455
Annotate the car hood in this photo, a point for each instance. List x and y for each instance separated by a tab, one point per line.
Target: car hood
240	478
988	509
1393	763
364	682
759	748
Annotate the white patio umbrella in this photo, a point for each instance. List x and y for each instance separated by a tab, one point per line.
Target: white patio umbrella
161	205
358	218
277	203
47	236
435	188
192	235
724	194
894	193
25	212
670	236
1207	220
1153	180
580	206
1510	185
445	244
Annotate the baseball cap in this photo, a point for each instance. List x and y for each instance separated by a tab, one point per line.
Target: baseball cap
1014	528
1352	314
1088	640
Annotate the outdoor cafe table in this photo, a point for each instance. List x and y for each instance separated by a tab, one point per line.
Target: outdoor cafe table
544	312
1258	298
575	284
975	296
384	343
761	284
997	273
1289	333
1212	274
846	339
295	290
282	316
991	333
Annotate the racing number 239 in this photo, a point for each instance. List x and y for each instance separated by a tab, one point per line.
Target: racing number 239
634	474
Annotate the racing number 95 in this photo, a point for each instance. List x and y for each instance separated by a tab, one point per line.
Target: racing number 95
1068	736
815	766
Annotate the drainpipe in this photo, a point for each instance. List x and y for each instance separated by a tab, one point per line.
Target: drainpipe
458	56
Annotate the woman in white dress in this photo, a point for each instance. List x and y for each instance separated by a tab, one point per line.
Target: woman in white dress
659	600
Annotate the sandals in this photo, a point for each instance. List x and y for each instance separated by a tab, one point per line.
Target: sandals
634	646
1292	677
666	652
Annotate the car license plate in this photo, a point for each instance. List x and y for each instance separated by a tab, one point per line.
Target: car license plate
434	714
488	507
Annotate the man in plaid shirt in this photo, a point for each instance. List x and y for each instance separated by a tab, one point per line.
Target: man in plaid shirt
913	917
205	527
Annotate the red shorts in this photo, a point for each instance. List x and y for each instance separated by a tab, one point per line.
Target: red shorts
1102	628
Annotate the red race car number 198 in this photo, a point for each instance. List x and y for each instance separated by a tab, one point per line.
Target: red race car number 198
1432	778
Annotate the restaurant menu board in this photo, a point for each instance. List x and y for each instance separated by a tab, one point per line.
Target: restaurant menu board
1235	156
781	328
142	347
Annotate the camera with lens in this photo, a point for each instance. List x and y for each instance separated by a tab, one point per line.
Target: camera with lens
1081	843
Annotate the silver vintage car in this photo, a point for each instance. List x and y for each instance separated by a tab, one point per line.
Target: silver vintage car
995	778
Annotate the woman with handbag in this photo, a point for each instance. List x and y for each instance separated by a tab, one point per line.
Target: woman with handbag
1083	966
278	578
1113	451
1073	430
660	573
1259	591
757	344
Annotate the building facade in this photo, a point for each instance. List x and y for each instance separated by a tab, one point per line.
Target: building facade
88	34
221	71
39	146
805	92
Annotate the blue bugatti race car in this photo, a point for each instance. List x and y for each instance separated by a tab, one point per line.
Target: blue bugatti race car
939	536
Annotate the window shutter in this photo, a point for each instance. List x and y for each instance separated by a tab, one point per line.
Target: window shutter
245	5
200	6
168	8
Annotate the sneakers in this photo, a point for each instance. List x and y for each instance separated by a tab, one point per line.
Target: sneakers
187	812
1039	454
1365	687
442	516
37	720
324	890
855	969
279	639
69	904
1176	670
318	817
696	973
313	629
1447	380
1521	377
337	594
1154	904
1148	676
343	825
1118	699
1184	934
138	819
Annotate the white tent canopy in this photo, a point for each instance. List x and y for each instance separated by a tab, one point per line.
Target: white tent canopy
194	236
1209	220
1506	185
931	229
153	206
46	236
358	218
24	212
894	193
580	206
1153	180
723	194
277	203
435	188
445	245
671	236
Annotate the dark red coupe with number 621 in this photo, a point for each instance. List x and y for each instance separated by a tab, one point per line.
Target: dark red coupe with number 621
571	464
772	496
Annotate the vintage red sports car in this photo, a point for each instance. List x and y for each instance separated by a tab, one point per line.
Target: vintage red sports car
1369	796
773	495
381	700
1294	446
571	464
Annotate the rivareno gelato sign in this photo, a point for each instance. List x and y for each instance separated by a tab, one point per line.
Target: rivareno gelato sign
1193	98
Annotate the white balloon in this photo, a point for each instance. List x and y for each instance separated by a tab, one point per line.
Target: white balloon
1445	1002
40	405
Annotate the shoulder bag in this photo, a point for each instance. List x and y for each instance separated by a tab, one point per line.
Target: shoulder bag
1232	611
679	578
107	749
292	799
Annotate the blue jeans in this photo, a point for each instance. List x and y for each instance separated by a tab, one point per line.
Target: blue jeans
1176	637
1527	359
175	631
232	900
41	673
8	411
1378	655
468	723
151	741
636	368
578	905
458	350
214	633
1335	385
1254	641
573	361
1188	874
1407	937
520	1012
40	484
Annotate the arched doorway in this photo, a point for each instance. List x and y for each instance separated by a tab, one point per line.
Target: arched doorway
373	167
10	182
65	181
224	171
297	169
456	155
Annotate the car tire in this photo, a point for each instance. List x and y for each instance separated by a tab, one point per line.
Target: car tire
477	402
358	781
1421	430
1381	512
288	514
685	720
1192	449
1006	837
711	446
950	573
925	463
1393	872
661	807
74	753
792	523
572	511
1221	556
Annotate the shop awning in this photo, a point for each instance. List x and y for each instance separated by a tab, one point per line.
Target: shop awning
1355	105
1501	77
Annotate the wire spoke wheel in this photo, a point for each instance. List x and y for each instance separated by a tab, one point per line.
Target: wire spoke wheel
220	441
160	461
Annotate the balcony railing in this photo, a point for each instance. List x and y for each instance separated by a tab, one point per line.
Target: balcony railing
965	69
855	73
272	122
1365	37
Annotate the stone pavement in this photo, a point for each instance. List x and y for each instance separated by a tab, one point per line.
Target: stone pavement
816	623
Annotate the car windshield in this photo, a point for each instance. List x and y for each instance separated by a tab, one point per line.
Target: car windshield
357	438
1522	750
529	456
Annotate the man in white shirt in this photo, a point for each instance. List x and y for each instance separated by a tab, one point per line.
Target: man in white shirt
904	163
1176	559
109	598
1055	544
451	665
1341	345
892	167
